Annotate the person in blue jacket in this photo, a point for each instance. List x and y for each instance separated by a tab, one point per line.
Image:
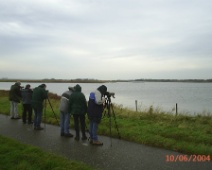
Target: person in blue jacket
95	110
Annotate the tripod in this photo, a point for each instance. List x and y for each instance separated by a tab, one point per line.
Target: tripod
109	107
52	111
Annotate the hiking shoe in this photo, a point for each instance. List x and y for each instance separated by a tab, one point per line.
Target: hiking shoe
12	118
69	135
91	141
61	134
84	138
98	143
16	118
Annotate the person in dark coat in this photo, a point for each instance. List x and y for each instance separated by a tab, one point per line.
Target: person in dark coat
78	108
26	100
95	110
38	96
15	98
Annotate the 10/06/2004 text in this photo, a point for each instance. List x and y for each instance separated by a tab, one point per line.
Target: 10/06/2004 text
188	158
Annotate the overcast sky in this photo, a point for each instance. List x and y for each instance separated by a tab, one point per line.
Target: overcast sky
106	39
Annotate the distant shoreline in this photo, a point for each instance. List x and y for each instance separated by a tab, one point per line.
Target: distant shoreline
105	81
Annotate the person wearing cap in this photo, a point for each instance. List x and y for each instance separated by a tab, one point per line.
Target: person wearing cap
38	96
95	110
64	115
26	100
15	98
78	108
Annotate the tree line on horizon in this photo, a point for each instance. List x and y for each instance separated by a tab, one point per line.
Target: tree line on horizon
86	80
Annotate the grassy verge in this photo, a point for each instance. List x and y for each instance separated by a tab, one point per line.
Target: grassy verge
14	155
183	133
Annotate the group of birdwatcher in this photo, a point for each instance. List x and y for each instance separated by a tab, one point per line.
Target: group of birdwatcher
72	102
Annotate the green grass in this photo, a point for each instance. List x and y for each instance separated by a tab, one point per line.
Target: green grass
186	134
15	155
153	127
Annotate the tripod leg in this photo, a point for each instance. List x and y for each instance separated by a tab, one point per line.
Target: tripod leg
45	116
114	116
110	131
110	123
53	112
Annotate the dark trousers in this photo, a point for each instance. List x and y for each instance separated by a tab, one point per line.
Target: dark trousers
38	117
27	109
80	118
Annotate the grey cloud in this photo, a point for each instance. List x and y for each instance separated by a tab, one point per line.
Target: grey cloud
104	30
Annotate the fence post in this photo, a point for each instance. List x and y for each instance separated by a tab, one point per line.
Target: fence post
176	110
136	105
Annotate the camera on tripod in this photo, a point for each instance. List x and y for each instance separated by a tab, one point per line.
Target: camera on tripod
110	94
110	112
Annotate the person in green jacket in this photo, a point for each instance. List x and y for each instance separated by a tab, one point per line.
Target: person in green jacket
15	98
78	108
38	96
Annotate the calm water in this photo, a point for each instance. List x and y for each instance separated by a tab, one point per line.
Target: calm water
191	98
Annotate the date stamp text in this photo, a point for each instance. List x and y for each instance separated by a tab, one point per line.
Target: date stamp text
188	158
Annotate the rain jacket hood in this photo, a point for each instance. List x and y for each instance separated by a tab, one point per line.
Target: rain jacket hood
77	102
77	88
102	89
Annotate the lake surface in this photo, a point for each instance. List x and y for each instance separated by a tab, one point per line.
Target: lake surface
191	98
